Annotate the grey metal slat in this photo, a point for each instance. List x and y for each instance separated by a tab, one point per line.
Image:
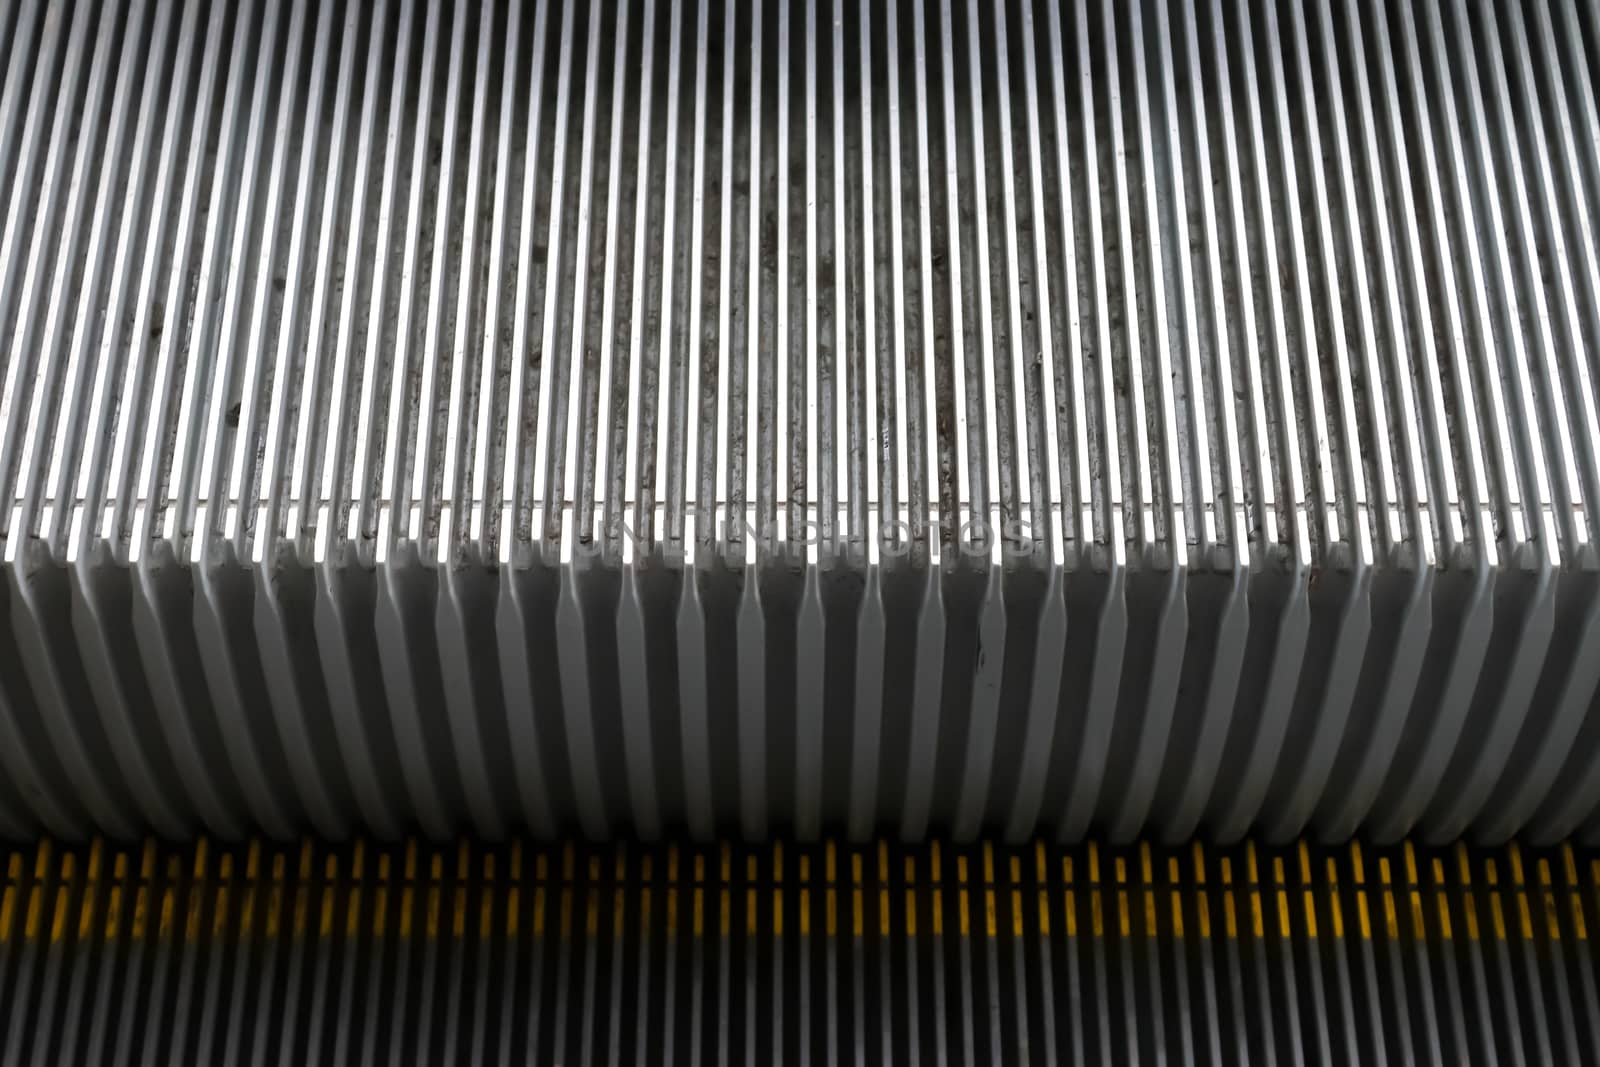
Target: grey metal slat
339	660
928	686
471	692
1111	624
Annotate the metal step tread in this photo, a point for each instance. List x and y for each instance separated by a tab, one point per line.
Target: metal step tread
1116	418
549	953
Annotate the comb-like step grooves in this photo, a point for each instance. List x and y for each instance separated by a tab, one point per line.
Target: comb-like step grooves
872	955
894	417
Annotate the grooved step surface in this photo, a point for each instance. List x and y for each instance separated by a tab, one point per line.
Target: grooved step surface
791	954
927	416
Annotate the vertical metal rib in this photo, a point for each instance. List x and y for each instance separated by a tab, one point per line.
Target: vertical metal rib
758	520
1110	625
470	689
638	736
874	521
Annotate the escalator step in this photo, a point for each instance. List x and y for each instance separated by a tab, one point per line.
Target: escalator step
522	952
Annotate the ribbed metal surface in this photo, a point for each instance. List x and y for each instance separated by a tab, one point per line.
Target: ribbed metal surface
886	416
827	954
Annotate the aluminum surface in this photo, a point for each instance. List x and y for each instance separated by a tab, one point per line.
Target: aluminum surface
913	417
879	954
